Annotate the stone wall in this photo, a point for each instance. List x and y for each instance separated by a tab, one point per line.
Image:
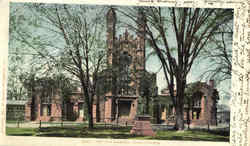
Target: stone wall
207	107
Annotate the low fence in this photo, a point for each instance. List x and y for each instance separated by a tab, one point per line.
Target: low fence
40	124
107	123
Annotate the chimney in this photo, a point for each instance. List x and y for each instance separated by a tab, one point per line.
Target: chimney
211	83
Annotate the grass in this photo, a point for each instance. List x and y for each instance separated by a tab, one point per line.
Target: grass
14	122
117	133
194	135
21	131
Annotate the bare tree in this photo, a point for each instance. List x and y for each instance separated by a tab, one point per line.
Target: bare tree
81	37
188	31
78	46
220	55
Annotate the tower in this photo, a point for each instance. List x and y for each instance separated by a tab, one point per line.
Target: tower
141	33
111	22
126	62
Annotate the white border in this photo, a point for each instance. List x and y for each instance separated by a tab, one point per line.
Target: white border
239	112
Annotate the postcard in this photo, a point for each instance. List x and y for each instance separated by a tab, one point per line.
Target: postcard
139	72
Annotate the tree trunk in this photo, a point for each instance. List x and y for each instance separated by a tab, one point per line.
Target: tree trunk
208	122
179	124
117	111
147	105
156	112
33	107
90	114
89	107
188	116
98	118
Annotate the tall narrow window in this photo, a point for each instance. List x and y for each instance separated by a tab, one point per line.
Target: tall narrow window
197	103
125	74
41	109
49	110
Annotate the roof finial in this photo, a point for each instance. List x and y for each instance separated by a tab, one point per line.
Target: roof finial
126	34
111	12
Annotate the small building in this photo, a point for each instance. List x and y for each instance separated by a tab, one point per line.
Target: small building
223	117
15	110
223	114
53	107
202	108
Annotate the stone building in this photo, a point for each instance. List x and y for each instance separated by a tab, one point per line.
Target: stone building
43	106
127	75
127	81
126	58
202	110
53	107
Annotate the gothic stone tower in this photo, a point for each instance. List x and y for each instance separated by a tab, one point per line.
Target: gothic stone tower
125	43
126	59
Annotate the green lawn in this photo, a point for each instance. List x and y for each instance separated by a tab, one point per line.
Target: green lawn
21	131
117	133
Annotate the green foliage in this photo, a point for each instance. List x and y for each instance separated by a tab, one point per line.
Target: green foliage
148	84
192	92
48	85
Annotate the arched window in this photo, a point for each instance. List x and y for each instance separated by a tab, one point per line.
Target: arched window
125	73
